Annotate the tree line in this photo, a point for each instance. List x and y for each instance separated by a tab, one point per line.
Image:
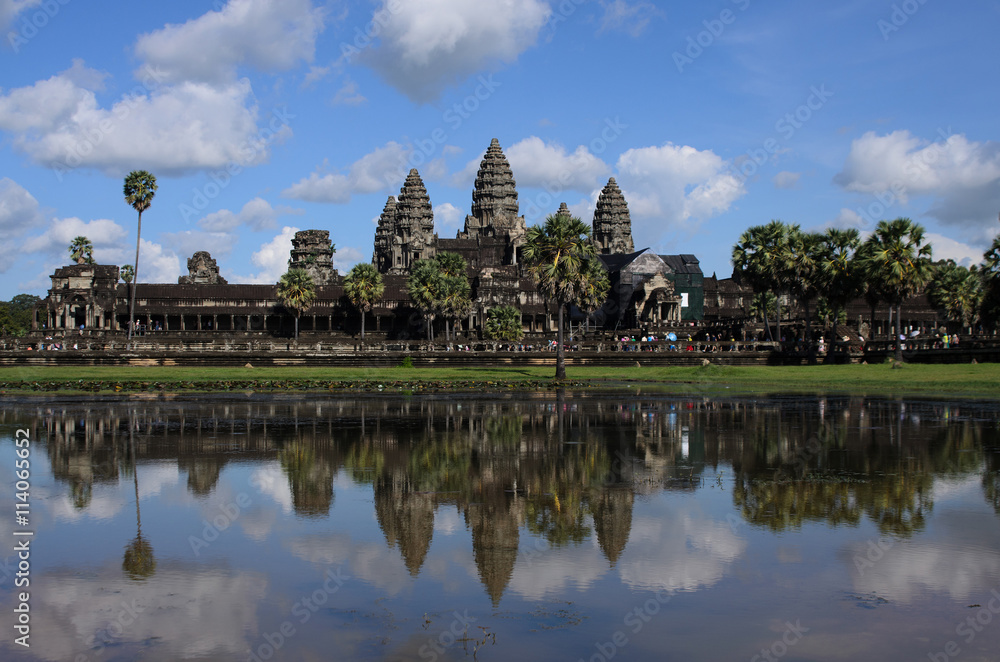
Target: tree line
836	267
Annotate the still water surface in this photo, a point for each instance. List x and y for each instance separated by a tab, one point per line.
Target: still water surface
553	526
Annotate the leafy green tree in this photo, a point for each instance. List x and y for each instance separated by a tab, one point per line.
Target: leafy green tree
364	287
900	262
759	256
16	314
426	286
456	296
504	323
81	250
127	273
989	271
841	278
296	292
140	187
959	291
558	255
801	267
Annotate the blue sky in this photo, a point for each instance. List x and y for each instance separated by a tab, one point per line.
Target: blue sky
263	117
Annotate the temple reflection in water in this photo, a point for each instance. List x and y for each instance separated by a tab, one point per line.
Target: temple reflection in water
560	468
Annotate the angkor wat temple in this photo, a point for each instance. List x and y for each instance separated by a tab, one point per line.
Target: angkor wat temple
648	290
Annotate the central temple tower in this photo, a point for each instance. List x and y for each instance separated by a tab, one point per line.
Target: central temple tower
494	204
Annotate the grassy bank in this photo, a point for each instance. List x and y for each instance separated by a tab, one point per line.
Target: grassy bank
982	380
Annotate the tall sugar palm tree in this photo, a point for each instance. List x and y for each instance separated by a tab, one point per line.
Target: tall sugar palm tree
296	292
900	262
456	296
140	187
363	286
758	256
958	291
558	255
426	286
81	250
802	267
840	271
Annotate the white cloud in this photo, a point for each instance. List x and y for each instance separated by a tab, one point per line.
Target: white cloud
19	211
847	219
315	75
9	9
348	95
448	216
540	165
377	171
787	180
426	45
268	35
57	123
272	258
671	187
946	248
156	264
188	242
630	18
346	257
258	215
106	236
962	176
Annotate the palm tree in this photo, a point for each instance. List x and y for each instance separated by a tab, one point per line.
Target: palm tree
363	286
139	561
840	273
899	261
426	286
127	273
456	297
989	271
140	187
801	266
758	257
504	323
81	250
558	255
296	292
958	291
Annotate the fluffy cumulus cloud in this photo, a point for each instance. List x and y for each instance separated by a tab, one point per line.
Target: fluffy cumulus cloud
447	215
258	215
187	242
346	257
549	166
268	35
106	236
271	259
59	124
381	170
425	45
961	176
19	211
670	186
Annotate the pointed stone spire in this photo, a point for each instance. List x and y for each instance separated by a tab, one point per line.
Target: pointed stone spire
563	210
494	200
612	223
405	230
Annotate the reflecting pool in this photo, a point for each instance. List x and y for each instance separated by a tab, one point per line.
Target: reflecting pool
550	526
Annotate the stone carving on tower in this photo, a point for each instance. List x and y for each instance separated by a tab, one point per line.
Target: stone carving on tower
405	230
612	223
494	203
202	270
313	252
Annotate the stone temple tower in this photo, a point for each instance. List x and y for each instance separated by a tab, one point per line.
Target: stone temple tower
494	202
313	252
405	230
612	223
